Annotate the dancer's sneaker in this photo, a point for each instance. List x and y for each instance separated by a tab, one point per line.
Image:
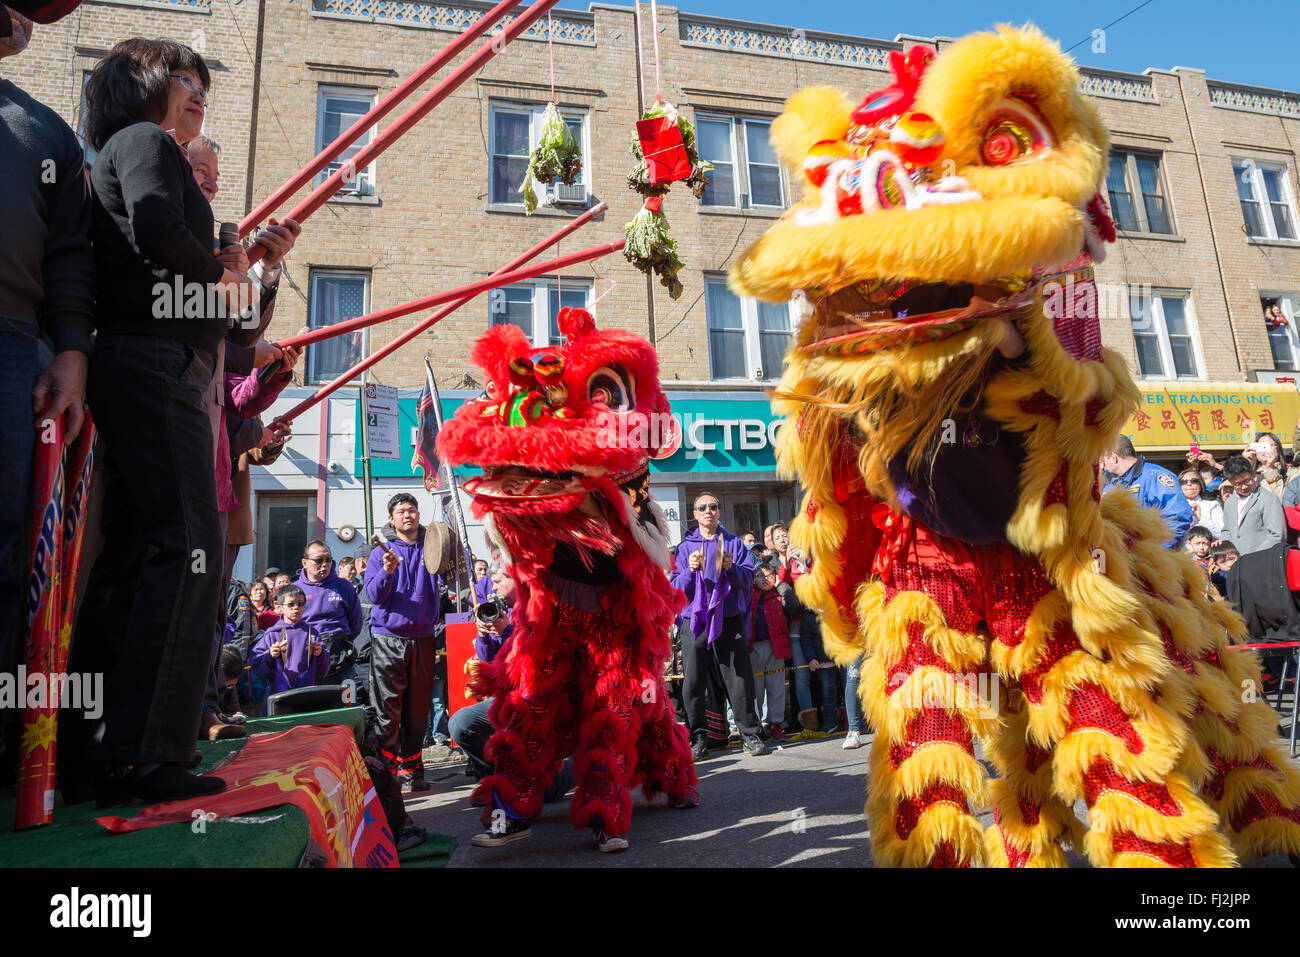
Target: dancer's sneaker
607	843
515	830
755	746
852	740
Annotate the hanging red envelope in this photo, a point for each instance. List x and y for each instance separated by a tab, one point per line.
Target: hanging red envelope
665	154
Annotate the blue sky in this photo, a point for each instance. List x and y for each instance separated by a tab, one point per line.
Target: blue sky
1247	41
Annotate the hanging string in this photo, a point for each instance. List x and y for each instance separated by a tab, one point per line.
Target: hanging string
640	63
550	49
600	278
654	27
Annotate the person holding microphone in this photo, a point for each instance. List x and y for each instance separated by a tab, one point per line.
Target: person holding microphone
162	304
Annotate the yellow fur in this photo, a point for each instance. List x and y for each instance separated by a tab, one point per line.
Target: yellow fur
1147	636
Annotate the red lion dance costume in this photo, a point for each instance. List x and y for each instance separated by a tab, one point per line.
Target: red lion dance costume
564	439
947	403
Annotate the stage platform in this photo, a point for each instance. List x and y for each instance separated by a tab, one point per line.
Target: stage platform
276	836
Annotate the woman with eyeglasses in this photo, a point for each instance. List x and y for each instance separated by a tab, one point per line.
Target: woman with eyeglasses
163	293
716	572
1207	511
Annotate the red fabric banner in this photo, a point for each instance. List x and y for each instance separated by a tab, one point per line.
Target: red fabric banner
314	767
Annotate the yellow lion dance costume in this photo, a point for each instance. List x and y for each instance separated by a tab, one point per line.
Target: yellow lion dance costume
947	402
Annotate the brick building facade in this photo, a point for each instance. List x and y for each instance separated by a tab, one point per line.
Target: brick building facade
1203	179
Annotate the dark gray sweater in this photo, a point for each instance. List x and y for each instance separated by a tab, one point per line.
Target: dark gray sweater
47	269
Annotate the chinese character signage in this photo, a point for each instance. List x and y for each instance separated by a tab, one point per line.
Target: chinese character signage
1214	415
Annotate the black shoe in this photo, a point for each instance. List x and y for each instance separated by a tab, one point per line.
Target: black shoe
161	782
515	830
684	801
755	746
607	843
700	749
412	836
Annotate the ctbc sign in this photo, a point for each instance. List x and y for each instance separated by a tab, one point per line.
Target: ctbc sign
749	435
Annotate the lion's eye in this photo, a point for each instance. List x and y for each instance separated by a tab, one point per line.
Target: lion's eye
1015	133
611	388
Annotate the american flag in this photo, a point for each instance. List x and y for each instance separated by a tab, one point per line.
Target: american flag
426	436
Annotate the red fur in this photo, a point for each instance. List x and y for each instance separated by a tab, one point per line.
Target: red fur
568	682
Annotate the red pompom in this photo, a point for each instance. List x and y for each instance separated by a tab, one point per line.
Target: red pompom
576	323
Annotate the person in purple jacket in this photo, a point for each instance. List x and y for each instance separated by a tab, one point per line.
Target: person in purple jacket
404	612
333	609
289	654
716	572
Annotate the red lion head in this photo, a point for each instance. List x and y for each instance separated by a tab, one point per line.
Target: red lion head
566	432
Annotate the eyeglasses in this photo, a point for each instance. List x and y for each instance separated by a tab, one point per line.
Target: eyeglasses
190	85
1243	484
712	507
1189	481
319	561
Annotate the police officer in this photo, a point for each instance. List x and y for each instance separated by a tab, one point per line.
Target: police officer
1154	486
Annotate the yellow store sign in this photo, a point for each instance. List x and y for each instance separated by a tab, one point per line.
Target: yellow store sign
1214	415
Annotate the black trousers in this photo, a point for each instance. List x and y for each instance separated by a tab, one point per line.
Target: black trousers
730	654
147	618
401	689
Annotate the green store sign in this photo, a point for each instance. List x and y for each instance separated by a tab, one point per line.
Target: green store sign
721	432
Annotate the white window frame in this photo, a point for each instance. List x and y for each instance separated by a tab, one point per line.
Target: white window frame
1161	332
540	334
753	336
1250	171
1133	186
313	376
365	183
742	195
548	194
1288	302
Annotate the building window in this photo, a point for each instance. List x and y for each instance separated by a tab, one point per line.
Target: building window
745	169
535	306
336	110
747	338
516	129
1266	201
336	296
1162	332
1279	321
1137	193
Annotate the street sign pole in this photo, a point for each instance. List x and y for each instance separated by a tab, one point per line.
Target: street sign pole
365	460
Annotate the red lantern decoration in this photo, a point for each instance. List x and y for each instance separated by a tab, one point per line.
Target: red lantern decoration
665	154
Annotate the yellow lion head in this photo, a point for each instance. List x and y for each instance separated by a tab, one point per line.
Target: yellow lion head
932	216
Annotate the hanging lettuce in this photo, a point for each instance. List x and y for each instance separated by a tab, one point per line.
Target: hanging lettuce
669	139
558	156
649	247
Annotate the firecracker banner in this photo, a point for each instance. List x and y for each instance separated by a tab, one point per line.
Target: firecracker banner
35	791
316	768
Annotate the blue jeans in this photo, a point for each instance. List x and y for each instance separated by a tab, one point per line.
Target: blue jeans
853	706
19	367
804	650
471	729
437	729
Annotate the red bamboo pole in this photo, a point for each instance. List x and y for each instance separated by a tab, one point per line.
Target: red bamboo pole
460	292
317	197
375	114
425	325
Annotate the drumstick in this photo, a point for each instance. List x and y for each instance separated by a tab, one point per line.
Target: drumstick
384	545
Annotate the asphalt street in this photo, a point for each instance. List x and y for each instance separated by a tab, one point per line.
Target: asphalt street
800	806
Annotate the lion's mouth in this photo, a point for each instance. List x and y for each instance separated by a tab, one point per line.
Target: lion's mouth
866	316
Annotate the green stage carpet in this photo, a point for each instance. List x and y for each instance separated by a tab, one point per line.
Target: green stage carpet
272	837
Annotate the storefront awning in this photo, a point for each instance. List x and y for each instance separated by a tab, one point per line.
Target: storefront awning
1171	416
